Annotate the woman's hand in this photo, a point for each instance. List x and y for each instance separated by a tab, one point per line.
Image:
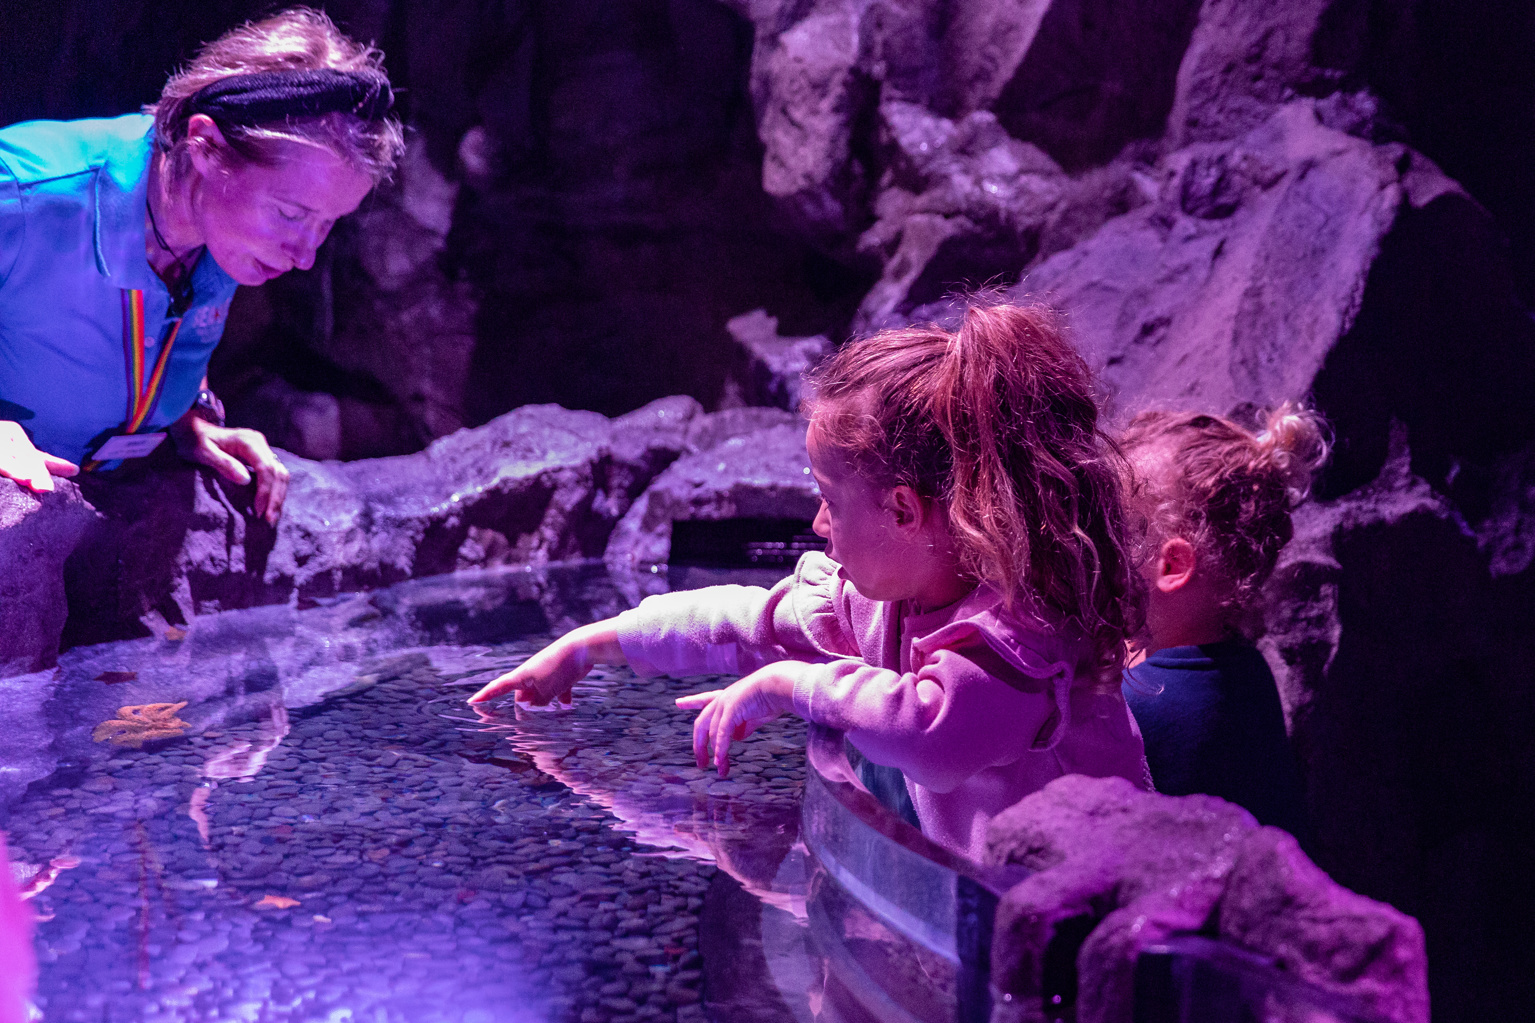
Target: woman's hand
228	452
738	711
550	673
22	462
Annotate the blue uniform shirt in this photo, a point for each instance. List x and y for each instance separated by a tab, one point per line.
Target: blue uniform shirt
72	202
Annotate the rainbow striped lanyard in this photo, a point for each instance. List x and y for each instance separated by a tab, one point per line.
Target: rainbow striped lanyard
143	395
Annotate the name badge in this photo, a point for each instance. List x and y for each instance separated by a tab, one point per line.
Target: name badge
127	445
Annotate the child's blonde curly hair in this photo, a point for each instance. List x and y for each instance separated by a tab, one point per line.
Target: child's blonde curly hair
1227	490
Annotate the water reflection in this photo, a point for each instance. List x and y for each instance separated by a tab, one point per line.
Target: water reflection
312	825
238	760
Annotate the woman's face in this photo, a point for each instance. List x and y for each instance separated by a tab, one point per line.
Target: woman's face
260	221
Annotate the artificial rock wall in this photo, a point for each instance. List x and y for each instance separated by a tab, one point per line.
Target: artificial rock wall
1234	202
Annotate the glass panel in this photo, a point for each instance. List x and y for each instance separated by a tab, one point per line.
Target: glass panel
905	924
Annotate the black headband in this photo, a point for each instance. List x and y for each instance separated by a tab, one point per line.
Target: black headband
264	96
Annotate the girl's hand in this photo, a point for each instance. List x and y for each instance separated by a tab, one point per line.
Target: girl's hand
549	674
738	711
22	462
228	452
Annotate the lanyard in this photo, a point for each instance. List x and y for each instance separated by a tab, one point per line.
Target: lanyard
143	395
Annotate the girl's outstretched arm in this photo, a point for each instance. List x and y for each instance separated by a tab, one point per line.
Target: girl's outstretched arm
549	674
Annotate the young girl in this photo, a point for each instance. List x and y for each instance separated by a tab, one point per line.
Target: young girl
1217	501
968	619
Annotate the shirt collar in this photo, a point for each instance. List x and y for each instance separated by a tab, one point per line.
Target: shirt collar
122	191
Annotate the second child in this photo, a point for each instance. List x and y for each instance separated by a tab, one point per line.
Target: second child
967	622
1217	500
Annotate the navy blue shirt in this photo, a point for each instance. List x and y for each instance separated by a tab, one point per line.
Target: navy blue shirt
1212	722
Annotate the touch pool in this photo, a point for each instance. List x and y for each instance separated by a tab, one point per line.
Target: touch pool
286	814
324	831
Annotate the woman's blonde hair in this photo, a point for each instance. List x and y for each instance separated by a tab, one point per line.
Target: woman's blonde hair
1227	490
998	422
299	39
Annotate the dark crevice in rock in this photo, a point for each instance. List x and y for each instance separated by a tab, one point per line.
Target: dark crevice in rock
1099	75
1441	345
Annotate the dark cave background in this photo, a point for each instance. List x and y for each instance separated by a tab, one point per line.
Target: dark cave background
589	240
594	207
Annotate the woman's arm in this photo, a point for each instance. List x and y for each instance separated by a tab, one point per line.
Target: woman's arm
228	452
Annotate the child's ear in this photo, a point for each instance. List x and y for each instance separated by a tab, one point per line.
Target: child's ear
906	507
1177	562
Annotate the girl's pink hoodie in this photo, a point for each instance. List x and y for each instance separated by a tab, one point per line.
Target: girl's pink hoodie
978	706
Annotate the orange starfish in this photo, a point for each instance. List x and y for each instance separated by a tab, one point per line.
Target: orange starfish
276	902
137	725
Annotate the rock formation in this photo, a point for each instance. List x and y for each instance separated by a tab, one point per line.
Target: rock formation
1116	870
37	532
162	542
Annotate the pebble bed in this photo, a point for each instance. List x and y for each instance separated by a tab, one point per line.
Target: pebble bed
391	855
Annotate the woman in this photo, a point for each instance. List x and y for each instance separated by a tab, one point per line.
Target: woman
122	242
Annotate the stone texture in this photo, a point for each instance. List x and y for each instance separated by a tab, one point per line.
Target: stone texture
1245	59
37	532
1278	903
773	367
1238	280
1116	870
962	204
1100	848
1399	654
761	474
537	485
1097	75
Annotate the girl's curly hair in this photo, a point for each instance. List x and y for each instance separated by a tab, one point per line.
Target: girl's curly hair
1227	490
998	422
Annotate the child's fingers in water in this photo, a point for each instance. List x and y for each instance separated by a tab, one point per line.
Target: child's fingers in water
703	727
724	729
495	687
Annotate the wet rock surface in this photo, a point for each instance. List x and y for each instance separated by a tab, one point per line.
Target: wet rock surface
761	474
1116	870
542	484
37	532
338	833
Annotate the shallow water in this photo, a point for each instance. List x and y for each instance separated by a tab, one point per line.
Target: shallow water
326	832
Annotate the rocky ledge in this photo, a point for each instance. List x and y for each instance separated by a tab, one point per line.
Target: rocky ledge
145	549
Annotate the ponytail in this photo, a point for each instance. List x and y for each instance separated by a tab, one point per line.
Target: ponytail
999	423
1293	445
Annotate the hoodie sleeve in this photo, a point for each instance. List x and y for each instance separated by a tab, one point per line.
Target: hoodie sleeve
737	629
962	711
